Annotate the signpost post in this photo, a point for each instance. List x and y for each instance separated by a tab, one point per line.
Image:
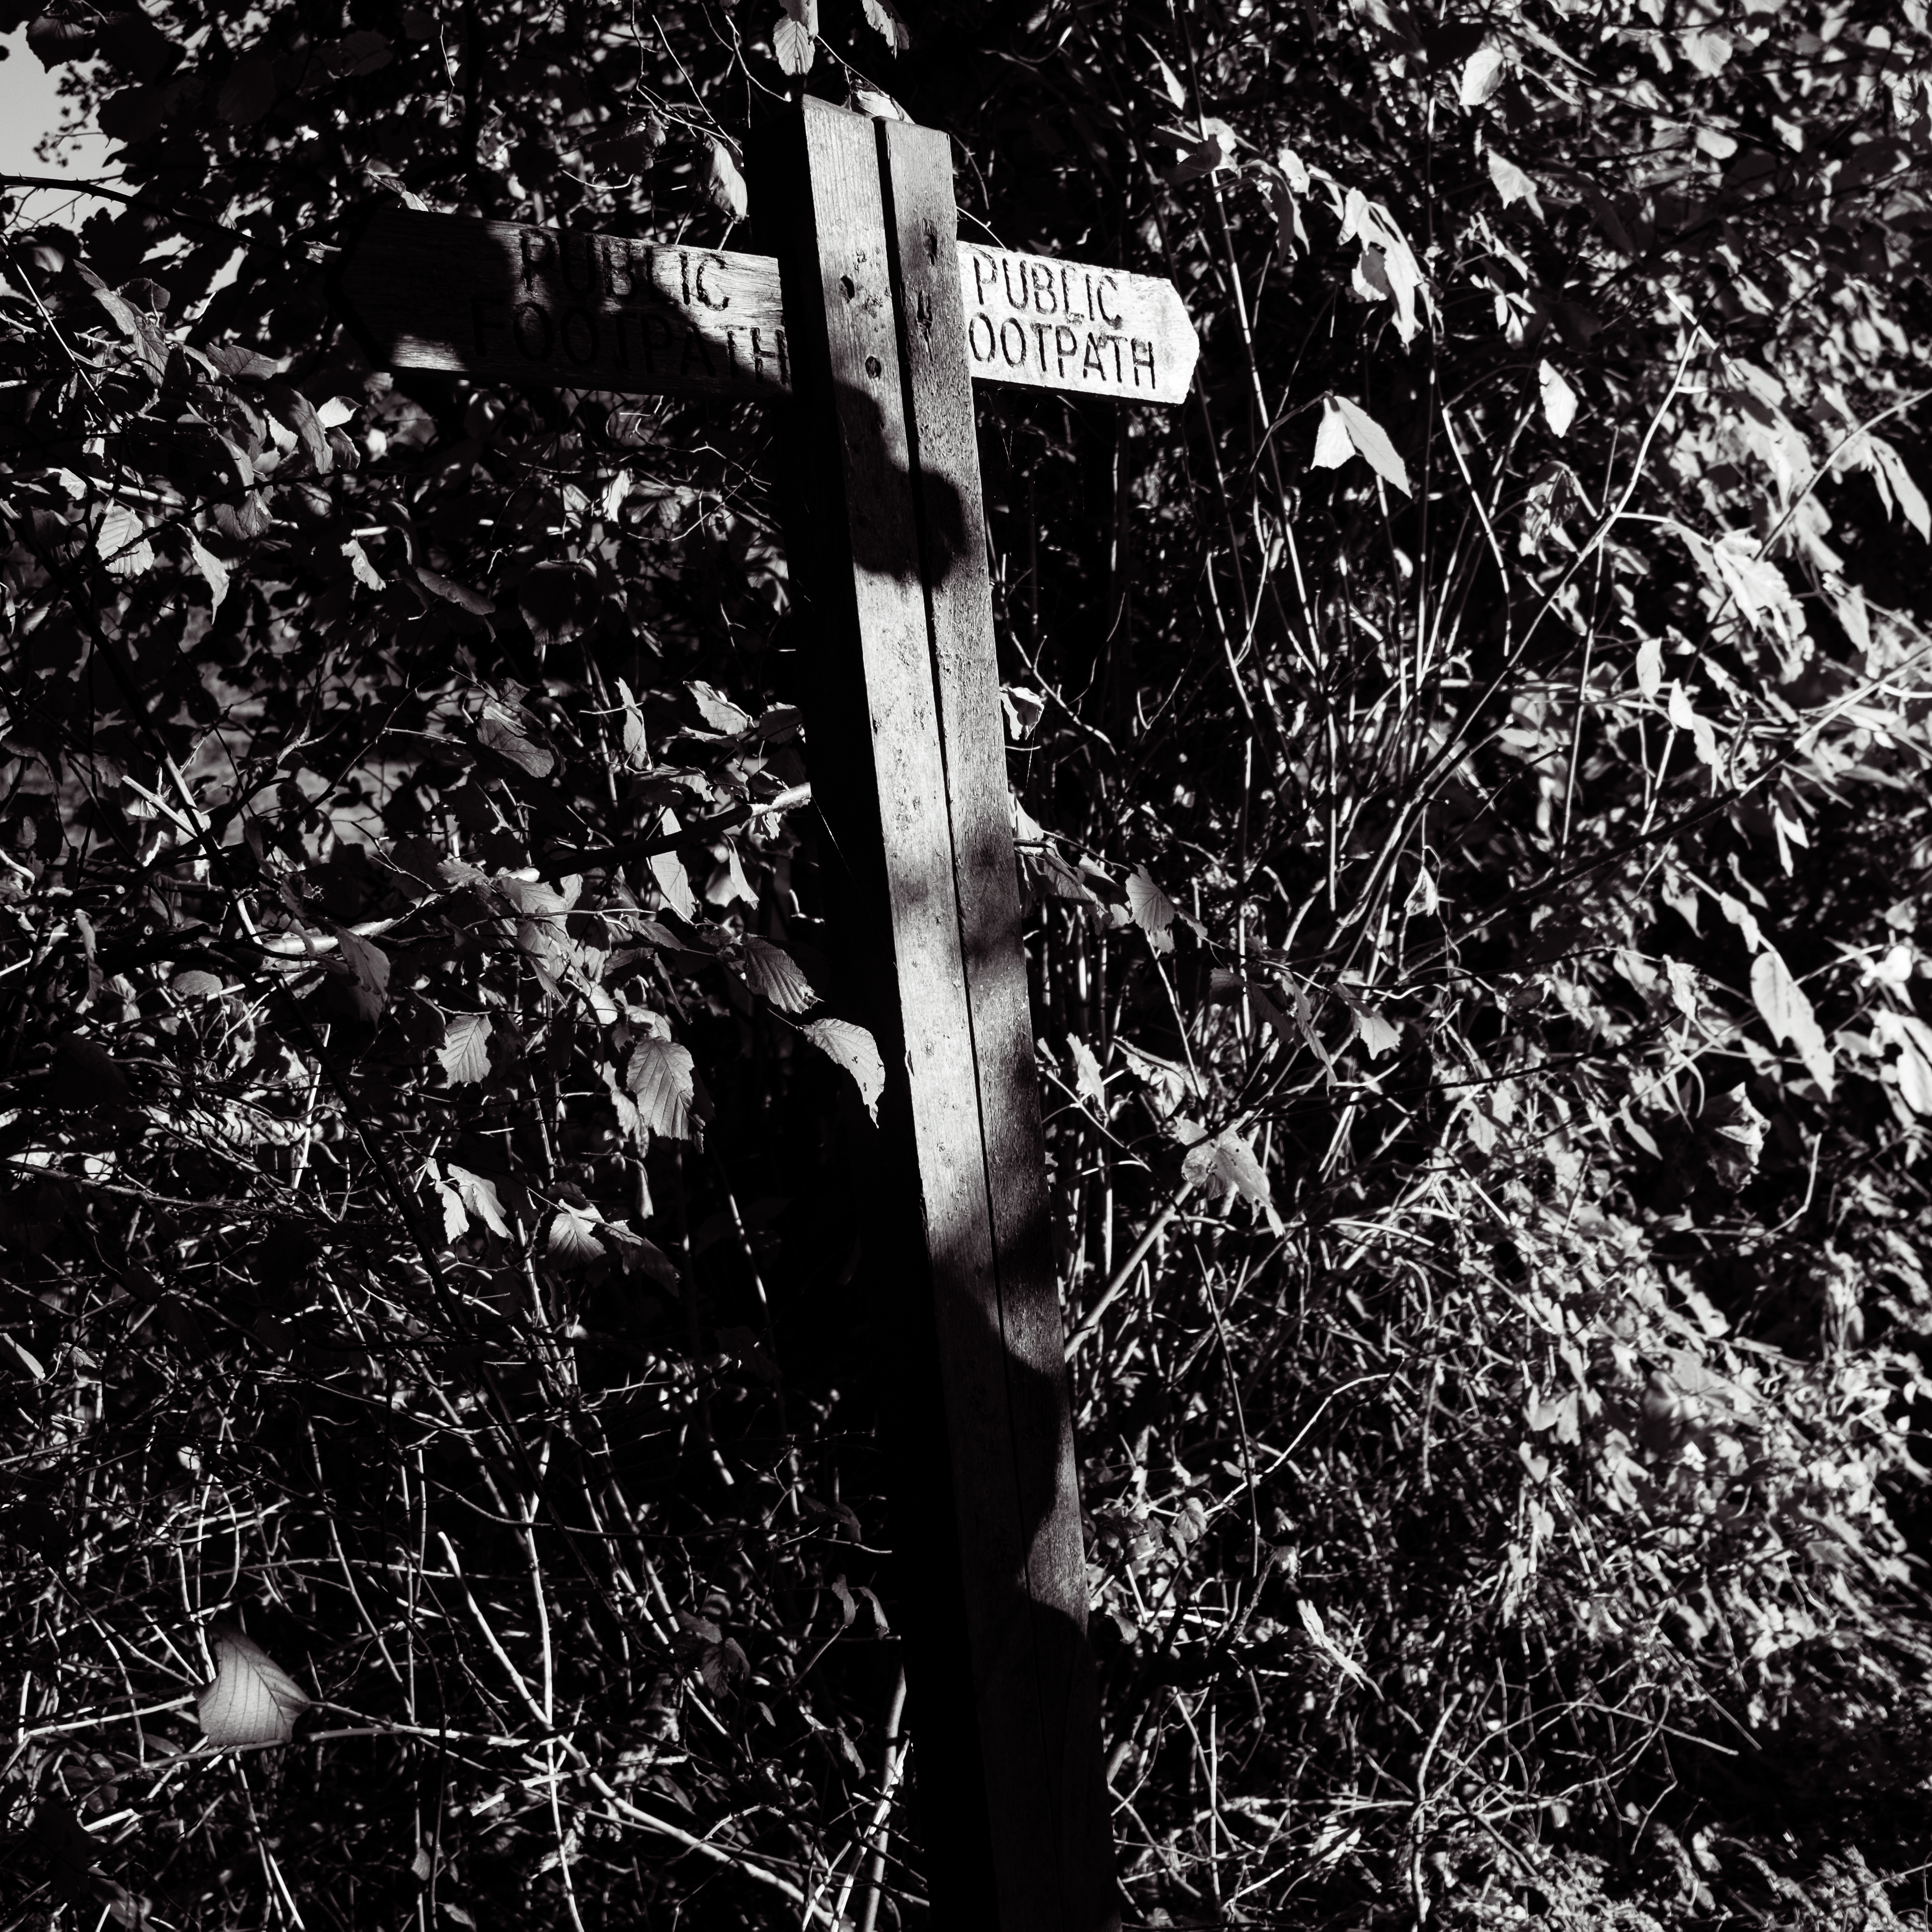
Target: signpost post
874	319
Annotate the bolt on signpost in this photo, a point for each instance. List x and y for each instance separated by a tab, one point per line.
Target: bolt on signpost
869	321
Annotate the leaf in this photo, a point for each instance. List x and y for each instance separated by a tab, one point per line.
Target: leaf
1911	498
1650	667
451	592
1333	446
572	1239
1913	1069
253	1700
1369	437
1378	1035
660	1075
1559	399
1788	1014
249	91
85	1074
792	44
214	572
479	1198
1290	236
1707	49
465	1051
557	600
1153	910
369	970
56	40
512	734
1482	74
1512	184
1089	1082
772	971
883	17
724	183
121	542
636	744
718	711
667	869
854	1049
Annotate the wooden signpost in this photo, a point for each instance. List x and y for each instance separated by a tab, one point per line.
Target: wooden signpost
871	320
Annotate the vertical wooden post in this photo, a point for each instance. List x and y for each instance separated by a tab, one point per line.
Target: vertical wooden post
886	541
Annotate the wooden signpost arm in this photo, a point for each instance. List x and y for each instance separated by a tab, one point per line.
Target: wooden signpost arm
888	549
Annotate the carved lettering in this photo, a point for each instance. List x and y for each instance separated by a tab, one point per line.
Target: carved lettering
536	250
1067	296
654	334
583	322
1043	297
1106	283
1039	329
703	295
1094	362
982	270
1019	301
696	348
981	319
589	265
532	322
1065	344
1012	332
622	269
1143	355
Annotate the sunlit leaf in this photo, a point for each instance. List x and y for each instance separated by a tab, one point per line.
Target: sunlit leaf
253	1700
465	1051
659	1076
1787	1013
854	1049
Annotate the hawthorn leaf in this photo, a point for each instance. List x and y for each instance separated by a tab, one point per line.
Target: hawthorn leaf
1512	184
1482	74
1911	498
1787	1013
1913	1067
465	1051
660	1075
772	971
1559	399
253	1700
854	1049
451	592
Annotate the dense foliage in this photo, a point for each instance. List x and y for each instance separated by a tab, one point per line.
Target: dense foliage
1471	781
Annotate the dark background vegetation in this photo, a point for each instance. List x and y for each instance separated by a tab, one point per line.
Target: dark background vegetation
1477	851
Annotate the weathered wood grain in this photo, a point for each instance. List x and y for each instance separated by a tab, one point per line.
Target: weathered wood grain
514	304
1039	1716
